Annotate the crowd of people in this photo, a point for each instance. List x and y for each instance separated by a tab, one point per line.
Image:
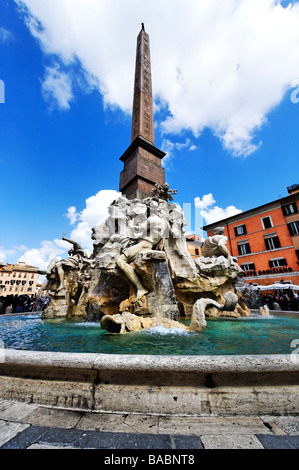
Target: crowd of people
22	303
280	300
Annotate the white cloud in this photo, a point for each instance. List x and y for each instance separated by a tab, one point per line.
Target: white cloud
169	148
221	65
72	214
94	213
57	88
212	213
41	257
206	201
5	35
3	257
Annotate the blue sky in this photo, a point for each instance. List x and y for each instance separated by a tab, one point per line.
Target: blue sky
225	81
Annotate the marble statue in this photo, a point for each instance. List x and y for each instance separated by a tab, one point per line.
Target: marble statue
141	268
216	245
162	192
150	234
57	268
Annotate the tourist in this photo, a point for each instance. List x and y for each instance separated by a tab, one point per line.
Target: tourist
294	304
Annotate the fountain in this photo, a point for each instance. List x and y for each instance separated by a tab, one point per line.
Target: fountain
139	277
141	274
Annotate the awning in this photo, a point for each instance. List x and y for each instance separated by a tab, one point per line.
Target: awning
277	286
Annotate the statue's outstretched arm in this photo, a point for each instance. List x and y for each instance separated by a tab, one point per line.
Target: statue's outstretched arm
75	244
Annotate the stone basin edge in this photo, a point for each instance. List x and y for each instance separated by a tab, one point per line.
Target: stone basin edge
207	364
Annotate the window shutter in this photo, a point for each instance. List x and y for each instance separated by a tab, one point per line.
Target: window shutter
276	242
290	229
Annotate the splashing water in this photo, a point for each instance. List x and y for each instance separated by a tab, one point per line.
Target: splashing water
165	299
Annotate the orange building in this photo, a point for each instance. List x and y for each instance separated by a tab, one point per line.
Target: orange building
265	240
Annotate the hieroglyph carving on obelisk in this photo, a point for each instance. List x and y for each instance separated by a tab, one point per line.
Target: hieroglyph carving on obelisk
143	119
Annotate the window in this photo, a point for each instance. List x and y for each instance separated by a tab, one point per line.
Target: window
244	248
267	222
289	209
272	243
294	228
248	267
240	230
277	262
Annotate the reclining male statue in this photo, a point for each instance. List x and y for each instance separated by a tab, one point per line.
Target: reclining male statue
216	246
150	233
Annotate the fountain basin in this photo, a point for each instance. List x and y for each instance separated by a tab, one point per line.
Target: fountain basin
191	385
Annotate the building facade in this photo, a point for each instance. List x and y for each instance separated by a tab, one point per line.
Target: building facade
265	240
194	244
18	279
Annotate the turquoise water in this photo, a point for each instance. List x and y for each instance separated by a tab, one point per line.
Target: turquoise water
251	335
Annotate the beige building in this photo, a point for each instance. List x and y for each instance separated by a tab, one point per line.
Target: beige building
18	279
194	244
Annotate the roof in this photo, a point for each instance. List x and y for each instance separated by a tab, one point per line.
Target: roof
245	214
18	267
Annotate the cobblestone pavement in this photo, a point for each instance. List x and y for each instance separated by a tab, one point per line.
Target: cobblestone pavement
30	426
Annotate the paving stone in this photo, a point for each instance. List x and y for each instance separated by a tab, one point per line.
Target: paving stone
220	441
25	438
103	422
8	430
146	424
49	447
270	441
52	417
108	440
16	411
61	436
294	441
4	404
289	424
208	425
186	442
132	423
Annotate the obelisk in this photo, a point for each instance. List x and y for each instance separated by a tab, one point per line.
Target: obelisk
142	160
